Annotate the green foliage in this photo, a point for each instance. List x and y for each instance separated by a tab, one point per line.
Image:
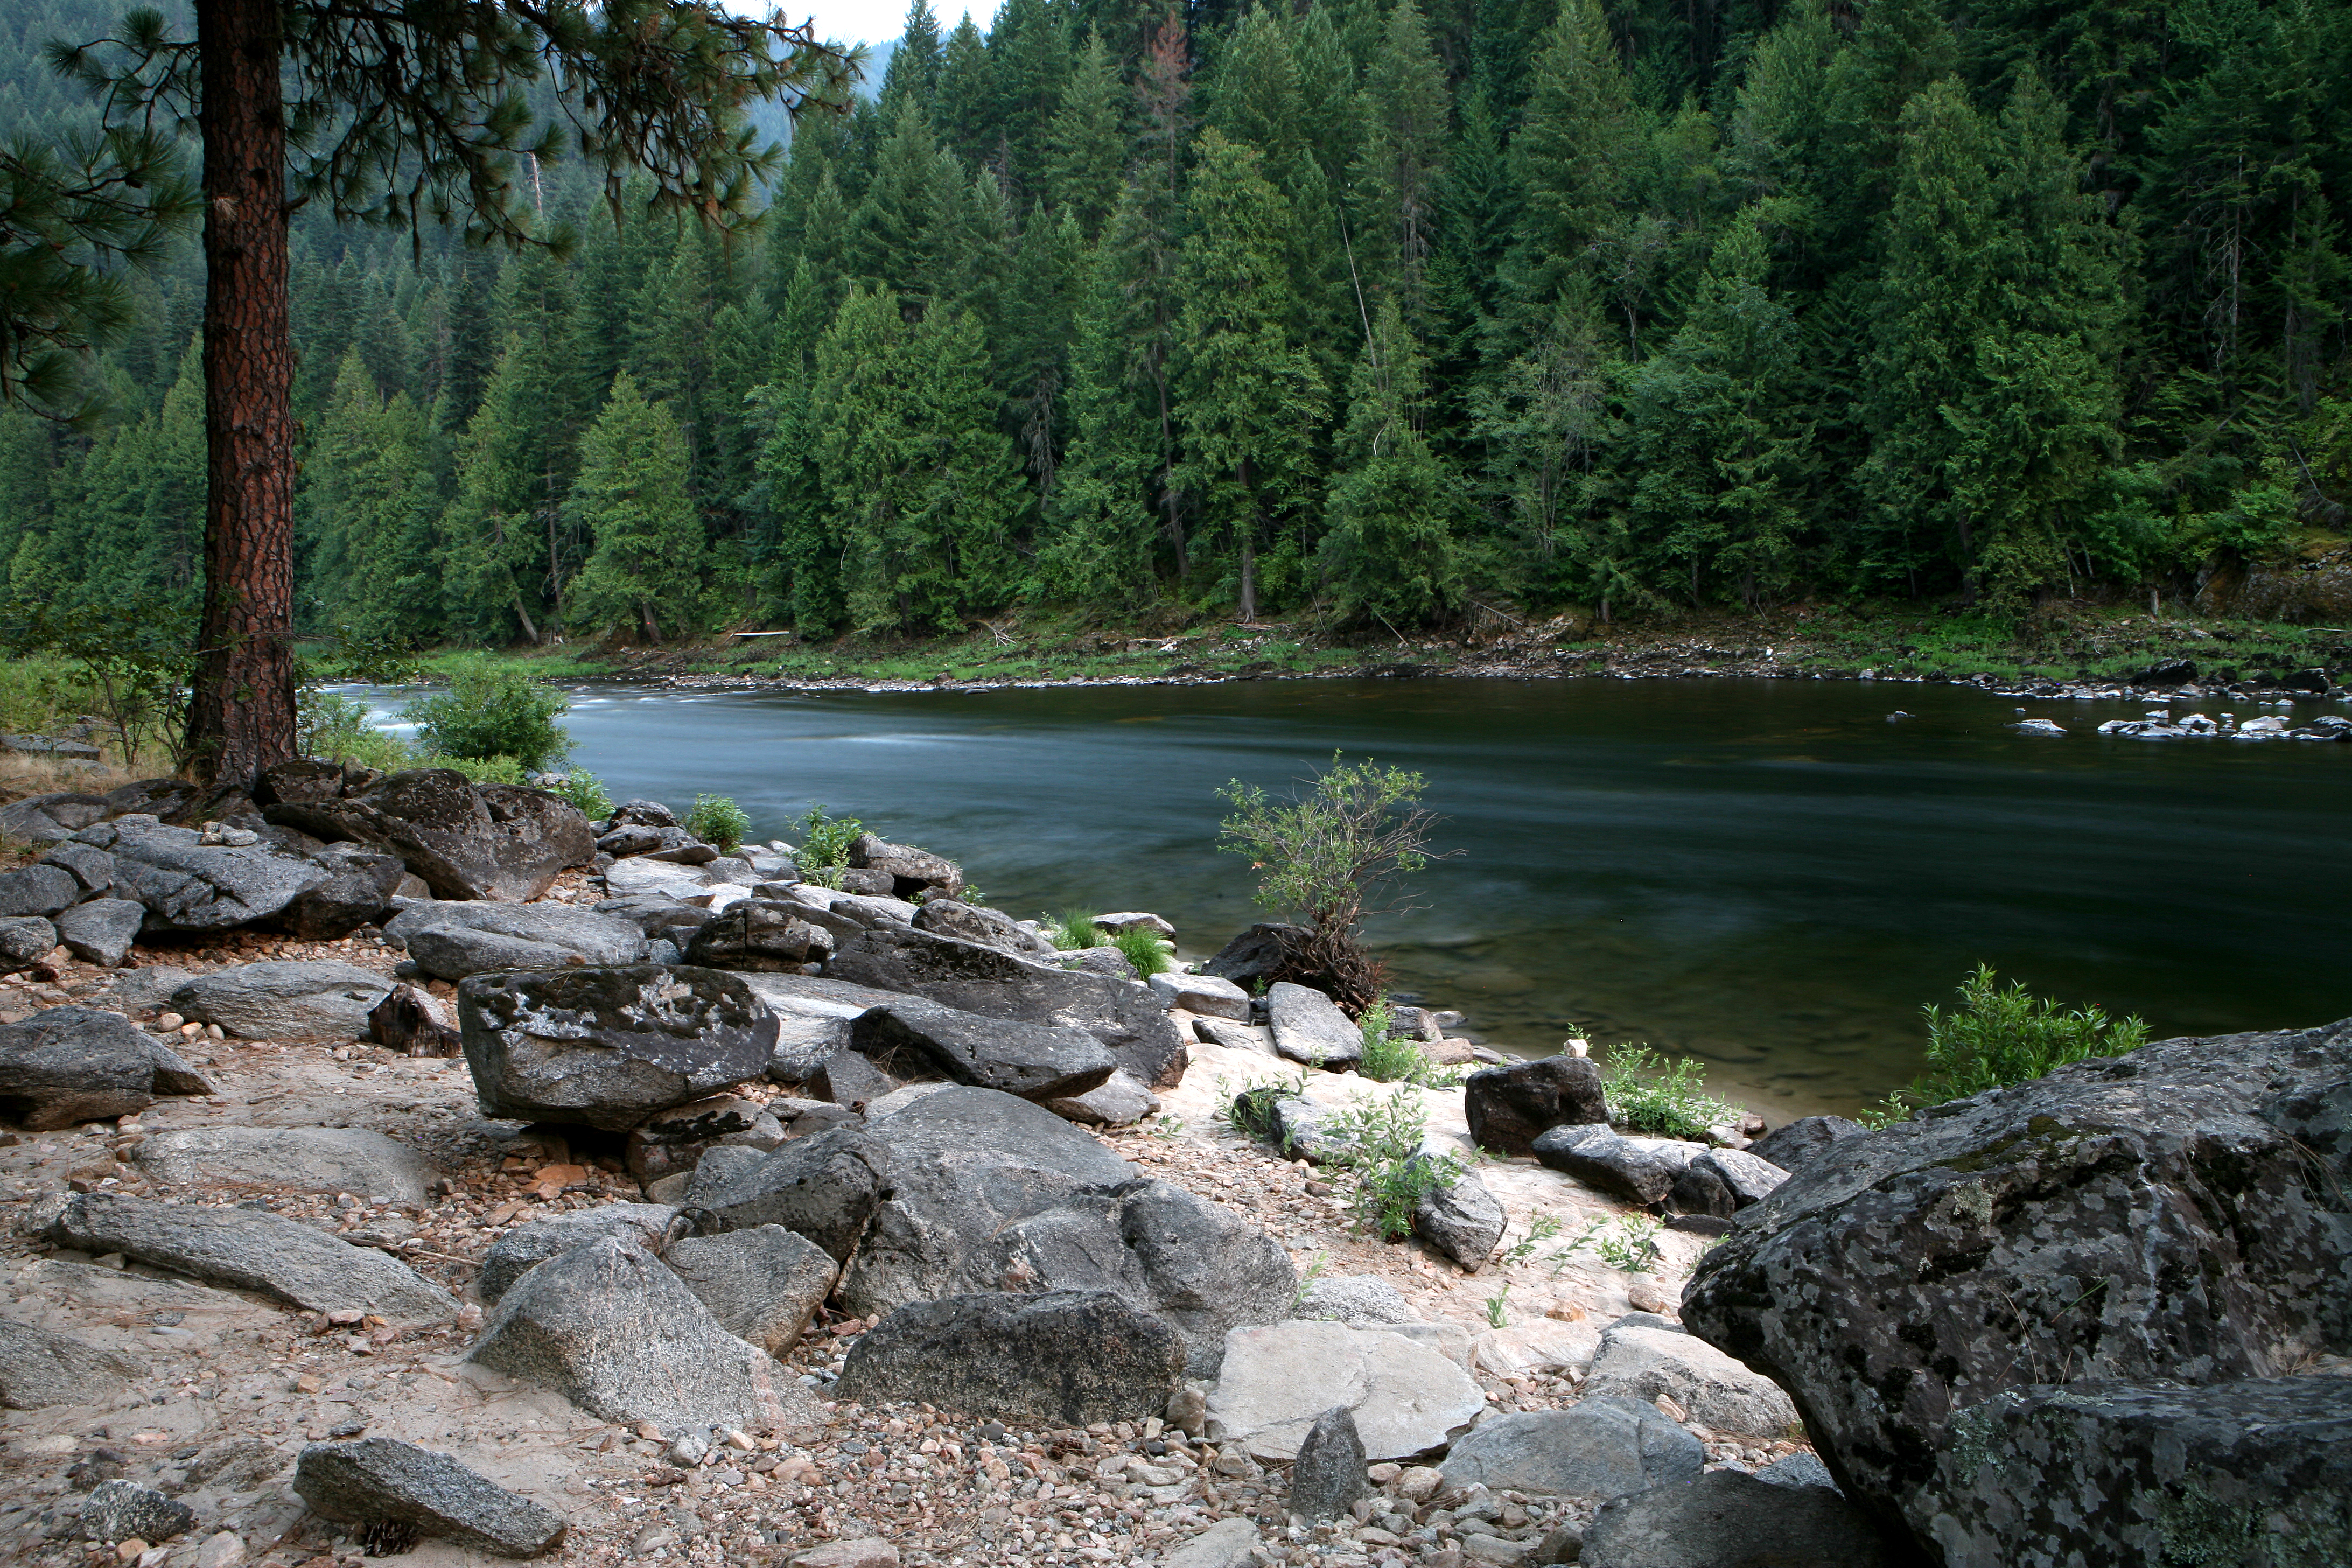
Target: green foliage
633	497
2000	1034
1249	1108
485	770
1074	931
1393	1058
716	819
1629	1243
492	709
1495	1318
587	793
331	725
1666	1099
826	840
1381	1139
1142	948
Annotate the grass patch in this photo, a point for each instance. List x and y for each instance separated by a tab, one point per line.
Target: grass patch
1074	931
1665	1100
1141	947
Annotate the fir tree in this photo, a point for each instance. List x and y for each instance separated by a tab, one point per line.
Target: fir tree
1392	550
644	572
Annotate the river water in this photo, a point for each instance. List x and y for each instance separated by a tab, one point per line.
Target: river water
1770	875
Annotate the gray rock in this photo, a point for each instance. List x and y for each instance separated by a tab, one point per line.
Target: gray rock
1106	961
48	818
642	814
299	778
92	868
850	1080
1309	1028
358	891
997	984
1639	1363
312	1000
1327	1477
1596	1449
1798	1470
39	889
1357	1300
760	934
1749	1179
1234	1036
824	1187
1699	1194
803	1044
971	923
1256	954
186	885
100	931
817	995
1508	1108
607	1047
1790	1147
1639	1170
125	1511
26	939
1205	995
379	1480
39	1369
2252	1471
453	941
526	1247
1408	1397
2152	1216
1070	1356
497	841
763	1285
718	1170
609	1327
656	915
66	1065
412	1022
911	871
1730	1520
367	1164
1118	1101
1462	1219
160	798
253	1250
669	1141
1035	1061
145	989
1228	1544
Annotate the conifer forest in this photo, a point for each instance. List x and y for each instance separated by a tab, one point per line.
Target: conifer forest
1357	309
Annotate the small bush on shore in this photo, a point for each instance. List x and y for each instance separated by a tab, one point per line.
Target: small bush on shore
2000	1034
493	709
485	770
824	843
1391	1171
329	725
587	794
1665	1100
716	819
1142	948
1389	1058
1074	931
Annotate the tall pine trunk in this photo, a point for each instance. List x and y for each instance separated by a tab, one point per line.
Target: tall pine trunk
241	717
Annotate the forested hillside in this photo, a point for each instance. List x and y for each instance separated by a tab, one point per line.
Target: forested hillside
1352	307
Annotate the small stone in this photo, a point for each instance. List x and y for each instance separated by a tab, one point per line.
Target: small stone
1328	1475
378	1480
120	1510
226	1550
870	1553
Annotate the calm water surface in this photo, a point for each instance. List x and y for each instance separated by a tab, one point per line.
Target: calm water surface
1769	876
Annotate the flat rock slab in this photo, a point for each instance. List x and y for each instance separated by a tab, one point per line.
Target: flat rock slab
1074	1357
1205	995
1228	1544
1727	1519
308	1000
1118	1101
1035	1061
526	1247
253	1250
1407	1398
494	841
379	1480
1638	1170
763	1285
608	1047
68	1065
1713	1389
367	1164
1309	1028
186	885
39	1369
818	996
455	939
1596	1449
609	1327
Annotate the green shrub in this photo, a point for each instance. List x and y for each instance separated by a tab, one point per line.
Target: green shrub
825	842
1249	1110
1390	1059
2001	1035
1383	1155
1629	1242
586	791
493	709
329	725
485	770
716	819
1072	931
1665	1100
1142	948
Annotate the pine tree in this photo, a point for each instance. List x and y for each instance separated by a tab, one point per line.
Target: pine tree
1099	542
1085	150
914	69
644	572
494	546
1392	550
368	506
1404	111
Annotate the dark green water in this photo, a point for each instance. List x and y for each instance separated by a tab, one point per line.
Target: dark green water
1767	875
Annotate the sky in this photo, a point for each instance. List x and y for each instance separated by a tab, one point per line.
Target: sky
873	21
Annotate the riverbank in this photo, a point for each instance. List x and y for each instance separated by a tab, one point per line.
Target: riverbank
2076	651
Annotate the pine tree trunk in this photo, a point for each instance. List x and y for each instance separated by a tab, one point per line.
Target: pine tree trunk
241	716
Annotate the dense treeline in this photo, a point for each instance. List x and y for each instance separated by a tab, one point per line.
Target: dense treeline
1353	305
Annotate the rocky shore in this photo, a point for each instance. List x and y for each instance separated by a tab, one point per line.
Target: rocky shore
429	1172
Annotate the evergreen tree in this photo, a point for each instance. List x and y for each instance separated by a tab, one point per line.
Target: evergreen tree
495	538
1084	150
914	69
367	507
1393	551
1406	110
644	572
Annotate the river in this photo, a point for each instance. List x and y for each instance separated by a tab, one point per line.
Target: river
1770	875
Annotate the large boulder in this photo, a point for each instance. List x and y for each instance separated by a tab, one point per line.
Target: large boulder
2167	1215
39	1369
494	841
1204	995
1035	1061
912	871
92	868
352	1160
2256	1471
1638	1170
382	1481
1508	1108
1074	1357
38	890
1596	1449
51	817
358	891
66	1065
760	934
1309	1028
1727	1520
976	922
102	930
1261	952
253	1250
295	1000
526	1247
187	884
763	1285
994	983
824	1187
1792	1146
608	1047
1276	1381
674	1141
611	1329
1639	1361
457	940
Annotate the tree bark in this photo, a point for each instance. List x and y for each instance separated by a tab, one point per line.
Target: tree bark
241	714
